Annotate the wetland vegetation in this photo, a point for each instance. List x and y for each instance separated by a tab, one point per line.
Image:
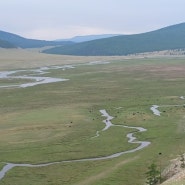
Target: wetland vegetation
56	122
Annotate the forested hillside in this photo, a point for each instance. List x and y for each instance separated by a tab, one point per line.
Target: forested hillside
168	38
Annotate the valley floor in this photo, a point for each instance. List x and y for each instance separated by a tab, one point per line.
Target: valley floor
42	123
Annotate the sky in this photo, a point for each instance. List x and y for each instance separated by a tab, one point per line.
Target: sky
59	19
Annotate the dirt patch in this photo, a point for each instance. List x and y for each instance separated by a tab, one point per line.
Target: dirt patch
178	177
174	172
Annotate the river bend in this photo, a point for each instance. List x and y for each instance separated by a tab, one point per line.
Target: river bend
108	125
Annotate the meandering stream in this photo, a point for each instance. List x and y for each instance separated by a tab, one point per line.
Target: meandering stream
38	80
108	125
34	75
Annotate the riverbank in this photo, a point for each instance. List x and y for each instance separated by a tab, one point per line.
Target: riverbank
57	121
108	124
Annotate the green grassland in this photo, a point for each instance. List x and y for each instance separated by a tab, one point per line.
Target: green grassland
56	122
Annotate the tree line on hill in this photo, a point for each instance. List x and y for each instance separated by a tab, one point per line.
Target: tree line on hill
168	38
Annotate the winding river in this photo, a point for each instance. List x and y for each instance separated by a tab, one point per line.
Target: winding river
34	75
38	80
108	125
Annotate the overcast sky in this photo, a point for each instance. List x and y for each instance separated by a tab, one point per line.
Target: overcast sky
57	19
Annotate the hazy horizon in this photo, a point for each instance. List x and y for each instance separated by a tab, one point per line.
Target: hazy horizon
53	19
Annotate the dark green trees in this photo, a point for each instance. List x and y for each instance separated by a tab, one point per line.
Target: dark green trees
153	175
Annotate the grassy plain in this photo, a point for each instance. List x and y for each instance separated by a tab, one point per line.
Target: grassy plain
56	122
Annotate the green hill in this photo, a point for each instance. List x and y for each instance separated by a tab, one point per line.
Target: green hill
28	43
5	44
171	37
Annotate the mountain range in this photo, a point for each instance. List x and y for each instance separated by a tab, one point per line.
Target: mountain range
11	40
86	38
168	38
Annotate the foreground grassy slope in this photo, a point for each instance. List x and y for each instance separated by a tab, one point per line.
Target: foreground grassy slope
55	122
169	38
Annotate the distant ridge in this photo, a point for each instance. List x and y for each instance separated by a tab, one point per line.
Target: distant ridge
168	38
22	42
86	38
